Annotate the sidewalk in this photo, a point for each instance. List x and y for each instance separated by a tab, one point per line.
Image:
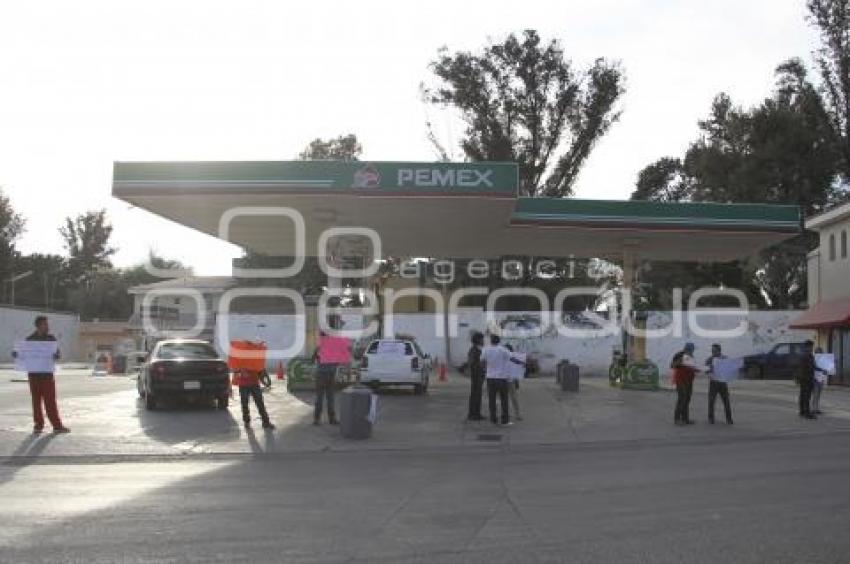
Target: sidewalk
115	423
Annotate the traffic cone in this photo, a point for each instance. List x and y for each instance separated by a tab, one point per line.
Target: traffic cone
443	372
281	371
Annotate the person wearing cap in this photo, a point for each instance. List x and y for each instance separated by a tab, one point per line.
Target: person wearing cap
476	377
716	387
684	371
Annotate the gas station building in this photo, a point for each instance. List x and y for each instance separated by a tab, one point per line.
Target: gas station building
438	210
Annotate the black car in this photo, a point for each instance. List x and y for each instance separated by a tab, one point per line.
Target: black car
180	368
778	362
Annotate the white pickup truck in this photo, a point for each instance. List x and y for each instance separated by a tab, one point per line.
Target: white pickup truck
395	362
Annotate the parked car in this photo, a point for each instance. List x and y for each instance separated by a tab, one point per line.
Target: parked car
777	363
180	368
395	362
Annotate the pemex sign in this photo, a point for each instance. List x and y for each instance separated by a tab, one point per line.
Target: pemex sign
482	178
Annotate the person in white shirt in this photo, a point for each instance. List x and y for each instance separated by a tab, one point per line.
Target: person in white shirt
516	372
495	358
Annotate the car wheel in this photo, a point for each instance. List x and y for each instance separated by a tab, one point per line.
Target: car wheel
754	372
418	389
150	401
223	401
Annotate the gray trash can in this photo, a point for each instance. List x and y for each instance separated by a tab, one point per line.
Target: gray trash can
569	378
559	370
355	403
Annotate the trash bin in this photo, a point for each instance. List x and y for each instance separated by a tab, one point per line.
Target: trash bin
355	412
119	364
569	378
559	370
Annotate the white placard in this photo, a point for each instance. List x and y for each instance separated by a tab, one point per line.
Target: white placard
726	369
825	362
36	356
516	366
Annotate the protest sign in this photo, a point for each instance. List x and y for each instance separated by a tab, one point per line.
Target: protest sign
36	356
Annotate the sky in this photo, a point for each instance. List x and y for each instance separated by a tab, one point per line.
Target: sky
86	83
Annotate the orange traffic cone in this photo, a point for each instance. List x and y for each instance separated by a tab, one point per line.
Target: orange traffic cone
281	371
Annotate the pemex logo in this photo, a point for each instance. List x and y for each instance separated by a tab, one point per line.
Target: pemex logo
367	176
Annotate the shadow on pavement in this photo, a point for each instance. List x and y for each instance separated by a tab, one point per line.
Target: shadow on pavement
27	452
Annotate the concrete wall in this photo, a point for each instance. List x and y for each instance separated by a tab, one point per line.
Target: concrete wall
592	352
16	324
764	330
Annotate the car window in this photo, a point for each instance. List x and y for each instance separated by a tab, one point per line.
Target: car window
199	351
391	348
782	349
418	349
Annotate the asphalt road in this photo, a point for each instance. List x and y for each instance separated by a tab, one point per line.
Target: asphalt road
775	500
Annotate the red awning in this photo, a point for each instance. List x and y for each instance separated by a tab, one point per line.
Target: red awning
830	313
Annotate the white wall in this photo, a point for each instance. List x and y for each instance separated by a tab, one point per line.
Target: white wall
764	330
592	352
17	324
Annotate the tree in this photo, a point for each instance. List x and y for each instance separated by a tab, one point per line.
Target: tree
138	274
48	285
832	20
779	152
663	181
87	242
11	228
523	101
343	148
104	296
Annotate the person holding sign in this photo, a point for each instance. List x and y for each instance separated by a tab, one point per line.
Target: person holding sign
36	355
332	352
496	357
806	370
717	385
826	362
684	372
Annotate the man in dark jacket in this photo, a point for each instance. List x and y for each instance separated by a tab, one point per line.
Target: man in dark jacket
806	379
43	386
476	377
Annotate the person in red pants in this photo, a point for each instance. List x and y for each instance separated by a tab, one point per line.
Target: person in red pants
43	386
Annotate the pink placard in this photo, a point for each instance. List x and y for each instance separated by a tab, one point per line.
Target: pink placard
333	350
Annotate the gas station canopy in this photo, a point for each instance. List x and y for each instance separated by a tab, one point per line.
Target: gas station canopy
447	210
